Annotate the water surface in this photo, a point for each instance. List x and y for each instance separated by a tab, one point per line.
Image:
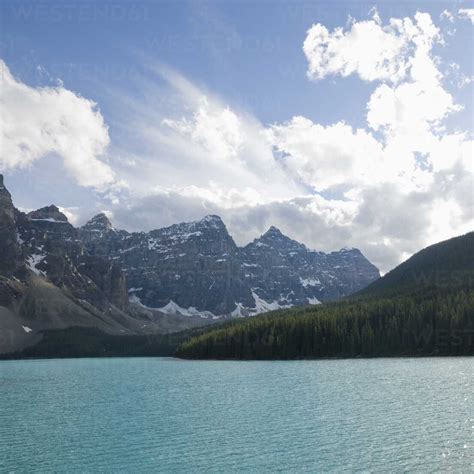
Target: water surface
167	415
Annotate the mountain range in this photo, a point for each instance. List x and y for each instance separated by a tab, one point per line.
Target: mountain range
54	276
196	268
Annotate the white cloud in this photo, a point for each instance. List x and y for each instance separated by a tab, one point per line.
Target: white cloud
467	13
446	14
410	108
324	157
369	49
419	102
35	122
216	129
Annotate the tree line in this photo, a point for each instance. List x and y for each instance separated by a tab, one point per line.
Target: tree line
436	323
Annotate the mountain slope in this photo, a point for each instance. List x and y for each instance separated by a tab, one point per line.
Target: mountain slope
443	265
423	307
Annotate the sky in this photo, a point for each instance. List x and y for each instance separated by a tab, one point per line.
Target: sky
344	124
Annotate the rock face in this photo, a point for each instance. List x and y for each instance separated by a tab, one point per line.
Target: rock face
52	248
197	267
284	271
10	259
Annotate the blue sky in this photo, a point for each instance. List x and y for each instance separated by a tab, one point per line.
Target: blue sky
247	52
149	65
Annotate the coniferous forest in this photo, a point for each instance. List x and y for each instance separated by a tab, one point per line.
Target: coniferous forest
425	306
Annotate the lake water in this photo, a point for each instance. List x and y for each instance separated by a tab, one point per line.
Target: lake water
167	415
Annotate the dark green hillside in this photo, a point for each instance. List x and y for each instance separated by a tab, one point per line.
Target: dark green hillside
443	266
423	307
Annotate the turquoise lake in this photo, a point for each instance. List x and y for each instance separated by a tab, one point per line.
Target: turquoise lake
167	415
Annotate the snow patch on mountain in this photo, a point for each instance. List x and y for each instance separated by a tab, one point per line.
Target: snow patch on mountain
262	306
173	308
310	282
33	260
49	219
240	311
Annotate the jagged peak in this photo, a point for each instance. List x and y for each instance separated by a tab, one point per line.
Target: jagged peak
349	250
210	221
274	231
195	229
1	182
48	213
213	220
273	237
99	221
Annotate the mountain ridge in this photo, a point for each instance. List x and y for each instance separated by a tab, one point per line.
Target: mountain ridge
273	270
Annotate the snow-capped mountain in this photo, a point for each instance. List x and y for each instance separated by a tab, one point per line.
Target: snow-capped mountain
197	268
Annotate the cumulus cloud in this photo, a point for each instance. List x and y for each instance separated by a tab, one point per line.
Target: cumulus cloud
35	122
328	156
367	48
417	105
218	130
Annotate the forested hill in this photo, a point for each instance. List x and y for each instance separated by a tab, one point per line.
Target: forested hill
448	264
425	306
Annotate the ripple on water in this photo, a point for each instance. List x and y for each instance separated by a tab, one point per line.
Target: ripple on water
143	415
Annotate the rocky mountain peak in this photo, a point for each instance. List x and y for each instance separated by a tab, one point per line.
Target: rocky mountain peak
48	213
99	222
349	251
273	232
1	182
211	226
274	238
212	221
